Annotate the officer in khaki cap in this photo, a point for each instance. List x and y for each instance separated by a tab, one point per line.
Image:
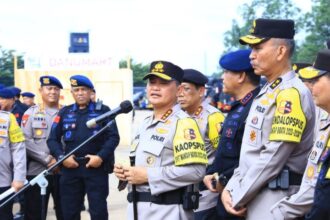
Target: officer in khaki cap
300	203
209	119
278	133
169	153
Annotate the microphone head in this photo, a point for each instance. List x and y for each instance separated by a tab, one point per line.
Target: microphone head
126	106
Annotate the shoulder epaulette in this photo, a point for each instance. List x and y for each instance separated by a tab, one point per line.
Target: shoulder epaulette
276	83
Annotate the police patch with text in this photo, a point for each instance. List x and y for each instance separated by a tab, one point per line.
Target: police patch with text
189	147
289	120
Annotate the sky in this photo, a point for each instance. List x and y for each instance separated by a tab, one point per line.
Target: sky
188	33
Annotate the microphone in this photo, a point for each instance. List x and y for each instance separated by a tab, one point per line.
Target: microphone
124	107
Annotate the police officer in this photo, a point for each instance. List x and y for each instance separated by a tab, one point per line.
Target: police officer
240	82
301	202
28	98
12	158
36	125
320	90
18	108
87	170
167	165
278	134
6	99
209	119
304	71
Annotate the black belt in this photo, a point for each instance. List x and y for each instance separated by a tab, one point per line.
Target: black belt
295	178
167	198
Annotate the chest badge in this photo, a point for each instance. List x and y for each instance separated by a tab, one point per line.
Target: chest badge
150	160
39	132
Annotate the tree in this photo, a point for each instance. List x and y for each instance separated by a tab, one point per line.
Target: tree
139	71
7	66
317	24
276	9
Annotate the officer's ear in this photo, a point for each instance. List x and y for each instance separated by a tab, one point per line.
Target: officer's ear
242	77
201	91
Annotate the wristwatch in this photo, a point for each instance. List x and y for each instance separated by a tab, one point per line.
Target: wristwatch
223	179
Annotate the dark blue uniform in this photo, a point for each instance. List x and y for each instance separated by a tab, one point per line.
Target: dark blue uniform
321	205
70	125
18	110
227	155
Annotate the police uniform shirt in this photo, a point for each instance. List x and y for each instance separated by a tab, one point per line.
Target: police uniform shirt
278	133
173	151
12	150
209	121
227	155
70	125
300	203
36	125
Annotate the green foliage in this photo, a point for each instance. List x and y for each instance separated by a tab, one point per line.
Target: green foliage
7	66
276	9
139	71
317	25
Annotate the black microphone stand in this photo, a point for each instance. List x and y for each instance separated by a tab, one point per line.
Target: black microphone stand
41	178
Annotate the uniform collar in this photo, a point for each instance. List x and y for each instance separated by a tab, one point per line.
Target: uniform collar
91	106
247	98
198	112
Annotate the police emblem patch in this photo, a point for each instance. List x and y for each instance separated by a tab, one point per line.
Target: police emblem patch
253	135
159	68
255	120
189	134
285	107
39	132
229	132
150	160
310	171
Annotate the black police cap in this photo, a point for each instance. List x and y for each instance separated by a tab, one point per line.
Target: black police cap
264	29
320	67
165	70
194	77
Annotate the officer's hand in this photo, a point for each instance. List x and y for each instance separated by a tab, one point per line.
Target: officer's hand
119	172
136	175
227	203
51	162
208	182
95	161
17	185
70	162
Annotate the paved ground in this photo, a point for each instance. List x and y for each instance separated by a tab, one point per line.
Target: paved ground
117	202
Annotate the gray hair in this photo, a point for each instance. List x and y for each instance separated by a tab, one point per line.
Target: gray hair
289	43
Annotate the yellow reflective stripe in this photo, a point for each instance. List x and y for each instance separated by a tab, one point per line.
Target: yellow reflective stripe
188	145
215	121
15	132
289	120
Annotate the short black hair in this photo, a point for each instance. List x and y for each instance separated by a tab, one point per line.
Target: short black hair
254	78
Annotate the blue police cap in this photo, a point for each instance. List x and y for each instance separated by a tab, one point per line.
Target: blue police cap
237	61
50	80
28	94
7	93
194	76
15	90
2	86
80	80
